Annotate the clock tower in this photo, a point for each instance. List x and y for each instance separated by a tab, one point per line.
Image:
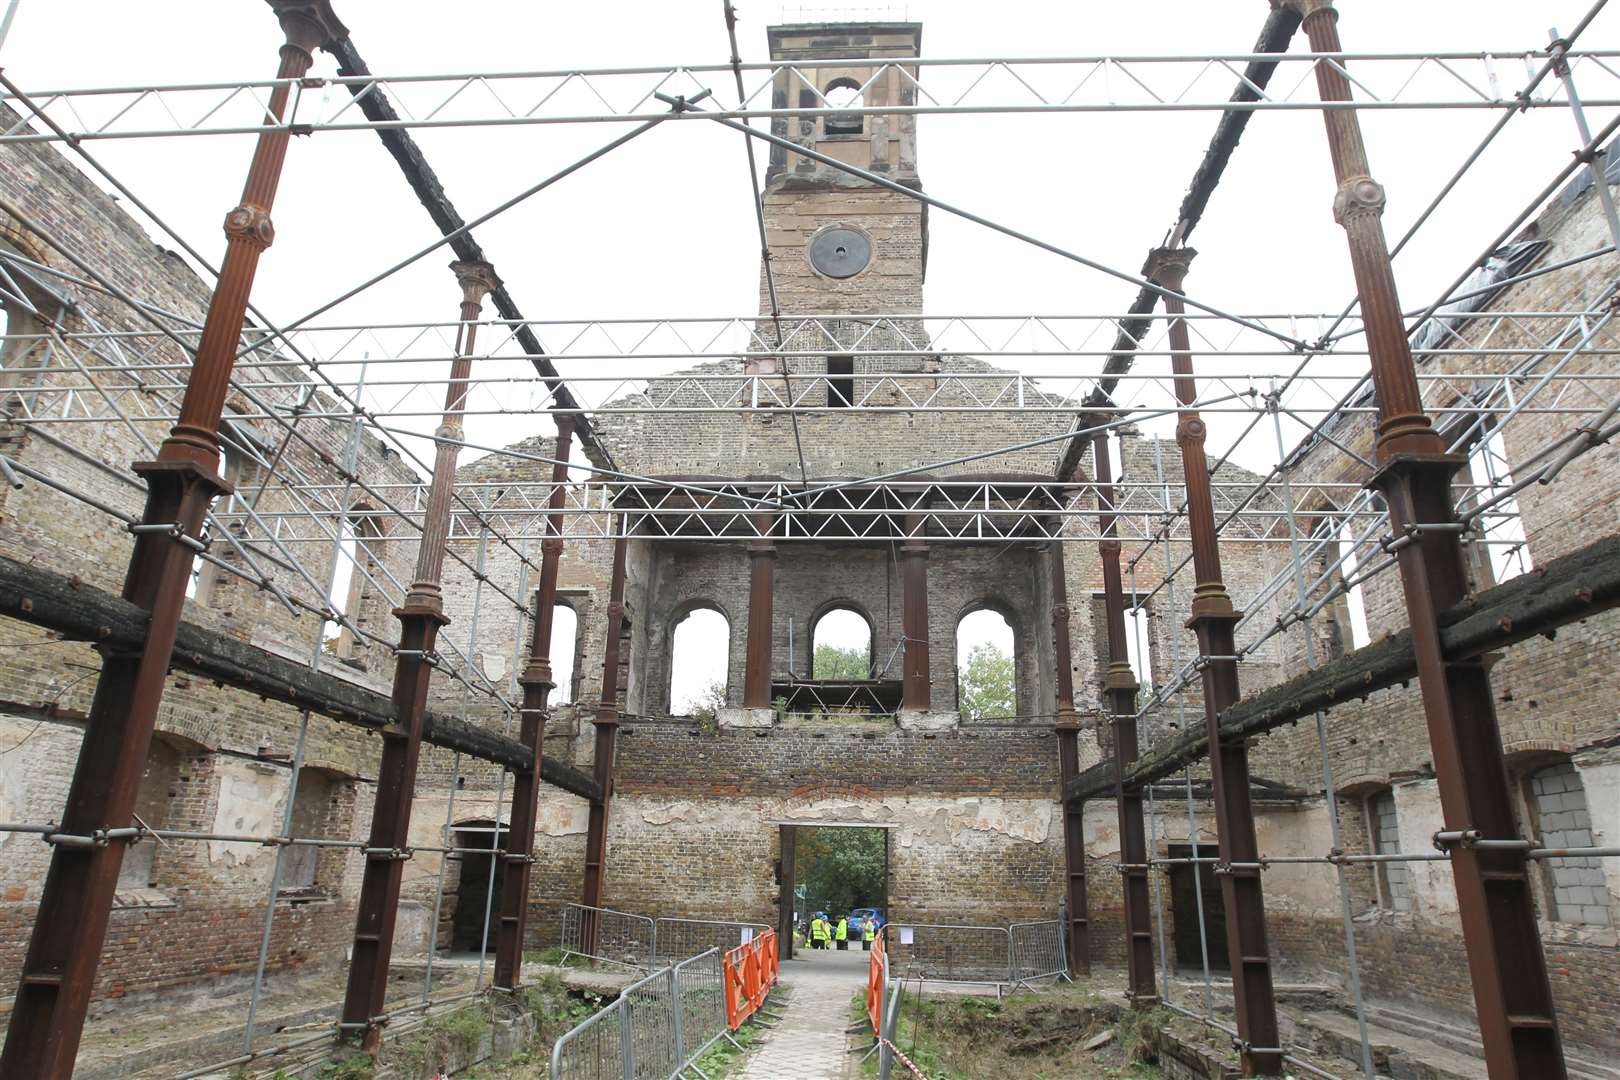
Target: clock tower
839	244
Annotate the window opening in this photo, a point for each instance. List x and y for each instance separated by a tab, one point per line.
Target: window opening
1353	598
844	94
1576	887
986	666
841	646
564	646
840	381
1501	526
699	665
1394	884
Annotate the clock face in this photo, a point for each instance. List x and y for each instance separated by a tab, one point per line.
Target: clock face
840	253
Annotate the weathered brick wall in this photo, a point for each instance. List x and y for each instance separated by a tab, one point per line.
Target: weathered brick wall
201	915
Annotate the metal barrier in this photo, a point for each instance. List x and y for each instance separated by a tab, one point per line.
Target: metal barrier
618	937
1038	950
750	975
950	953
677	939
655	1030
882	1005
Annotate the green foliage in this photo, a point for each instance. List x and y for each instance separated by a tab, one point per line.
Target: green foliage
986	683
359	1067
831	662
706	709
466	1026
840	868
719	1059
1138	1029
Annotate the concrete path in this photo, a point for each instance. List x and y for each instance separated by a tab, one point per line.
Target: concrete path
808	1043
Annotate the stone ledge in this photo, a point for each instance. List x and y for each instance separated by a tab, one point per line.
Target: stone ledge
746	718
916	720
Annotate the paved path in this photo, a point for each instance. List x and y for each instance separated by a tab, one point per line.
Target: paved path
809	1042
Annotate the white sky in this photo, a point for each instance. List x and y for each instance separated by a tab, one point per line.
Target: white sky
664	226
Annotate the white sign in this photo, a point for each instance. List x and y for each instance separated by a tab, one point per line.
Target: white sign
747	934
905	935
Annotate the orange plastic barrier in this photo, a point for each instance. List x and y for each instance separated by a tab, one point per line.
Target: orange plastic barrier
874	983
749	973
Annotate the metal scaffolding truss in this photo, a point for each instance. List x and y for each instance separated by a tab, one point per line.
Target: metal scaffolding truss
1522	392
1488	79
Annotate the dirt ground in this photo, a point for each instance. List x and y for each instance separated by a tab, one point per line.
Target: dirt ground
1026	1037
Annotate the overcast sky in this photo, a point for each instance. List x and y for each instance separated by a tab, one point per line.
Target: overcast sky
664	226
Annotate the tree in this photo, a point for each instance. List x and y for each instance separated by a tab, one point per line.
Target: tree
831	662
840	868
986	683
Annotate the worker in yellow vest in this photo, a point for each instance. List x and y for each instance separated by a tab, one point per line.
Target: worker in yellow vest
842	933
820	932
868	933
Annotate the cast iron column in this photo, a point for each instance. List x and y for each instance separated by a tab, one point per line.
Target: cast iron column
1068	739
420	618
761	593
1119	691
607	728
70	926
914	618
1213	618
537	681
1512	992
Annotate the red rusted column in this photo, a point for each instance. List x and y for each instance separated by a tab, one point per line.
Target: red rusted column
1119	692
1512	992
420	618
1067	727
607	728
761	622
58	973
1213	618
915	691
537	684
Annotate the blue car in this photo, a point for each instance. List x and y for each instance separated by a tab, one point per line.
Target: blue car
858	919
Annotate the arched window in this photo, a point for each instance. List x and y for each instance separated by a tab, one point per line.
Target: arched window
355	580
844	93
1575	888
841	645
986	668
1355	602
564	649
699	665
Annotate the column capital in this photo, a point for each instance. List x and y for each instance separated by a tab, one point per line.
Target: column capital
1167	266
1358	196
308	23
477	280
1119	676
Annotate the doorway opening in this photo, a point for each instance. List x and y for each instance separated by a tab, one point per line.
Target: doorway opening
478	843
1186	890
839	871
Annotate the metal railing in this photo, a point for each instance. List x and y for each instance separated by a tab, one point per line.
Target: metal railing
676	939
950	953
656	1029
609	936
1037	951
1012	955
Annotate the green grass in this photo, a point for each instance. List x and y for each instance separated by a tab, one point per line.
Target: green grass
718	1060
